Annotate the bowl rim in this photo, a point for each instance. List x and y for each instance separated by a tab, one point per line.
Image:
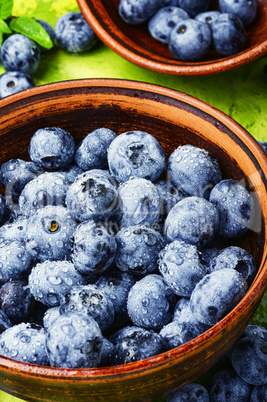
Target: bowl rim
257	288
175	68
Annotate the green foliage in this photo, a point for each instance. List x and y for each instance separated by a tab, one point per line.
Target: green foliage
6	7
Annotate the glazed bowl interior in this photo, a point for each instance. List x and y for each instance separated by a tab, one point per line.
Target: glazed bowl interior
174	119
136	45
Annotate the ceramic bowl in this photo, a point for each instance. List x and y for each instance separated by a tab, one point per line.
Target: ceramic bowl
136	45
174	119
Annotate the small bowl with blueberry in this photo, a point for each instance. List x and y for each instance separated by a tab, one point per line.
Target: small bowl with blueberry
181	37
132	241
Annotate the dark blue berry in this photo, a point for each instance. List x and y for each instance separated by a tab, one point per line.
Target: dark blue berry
50	315
136	153
19	53
106	353
52	147
5	322
71	172
209	17
169	195
92	151
14	230
189	393
73	33
194	7
16	300
259	393
246	10
263	144
74	340
14	260
12	82
182	313
177	333
135	12
2	207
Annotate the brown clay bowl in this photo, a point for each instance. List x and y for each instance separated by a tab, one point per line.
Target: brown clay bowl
173	118
135	44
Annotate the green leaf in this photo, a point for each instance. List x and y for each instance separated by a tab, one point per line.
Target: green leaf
32	29
6	7
1	39
4	28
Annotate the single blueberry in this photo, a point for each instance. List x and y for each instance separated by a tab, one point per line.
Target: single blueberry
259	393
19	53
209	17
236	258
14	260
106	353
2	207
226	385
14	230
136	153
93	247
193	170
92	151
194	7
216	294
181	267
73	33
246	10
12	82
16	300
150	302
92	196
182	313
140	203
189	393
133	344
49	281
74	340
177	333
50	315
194	220
257	331
5	322
89	300
48	188
49	233
24	342
135	12
52	147
235	205
163	22
228	34
138	248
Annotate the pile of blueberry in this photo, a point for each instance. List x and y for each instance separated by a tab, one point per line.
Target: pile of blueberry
110	254
21	56
189	27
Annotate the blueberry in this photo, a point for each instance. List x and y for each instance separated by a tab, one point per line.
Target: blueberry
73	33
48	30
116	286
19	53
193	170
48	188
5	322
263	144
2	207
12	82
14	230
52	147
194	220
138	249
246	10
50	315
135	12
217	294
208	16
194	7
71	172
226	386
150	302
136	153
188	393
259	393
94	247
228	34
49	281
236	258
248	358
176	333
164	20
235	205
74	340
189	40
92	196
107	352
92	151
14	260
169	195
181	267
14	175
182	313
140	203
49	233
24	342
253	330
89	300
15	300
133	344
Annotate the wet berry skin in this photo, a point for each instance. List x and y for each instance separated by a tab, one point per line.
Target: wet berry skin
5	322
74	340
12	82
16	300
133	343
14	260
188	393
73	33
177	333
19	53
